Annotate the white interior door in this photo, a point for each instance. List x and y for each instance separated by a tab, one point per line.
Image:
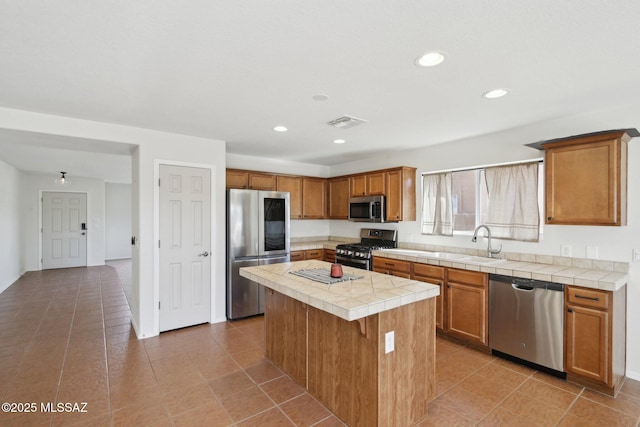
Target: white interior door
64	234
185	246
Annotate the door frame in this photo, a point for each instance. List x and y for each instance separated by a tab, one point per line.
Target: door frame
40	224
156	235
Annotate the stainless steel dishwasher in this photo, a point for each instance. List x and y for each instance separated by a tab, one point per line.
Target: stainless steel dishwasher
526	320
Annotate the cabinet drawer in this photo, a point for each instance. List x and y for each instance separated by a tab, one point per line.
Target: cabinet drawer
296	255
313	254
468	277
392	264
588	297
428	271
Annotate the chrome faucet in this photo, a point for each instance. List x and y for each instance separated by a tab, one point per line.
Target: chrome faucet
490	251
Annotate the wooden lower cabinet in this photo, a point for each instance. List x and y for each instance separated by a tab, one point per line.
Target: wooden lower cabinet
344	365
435	275
308	254
595	337
467	305
330	255
393	267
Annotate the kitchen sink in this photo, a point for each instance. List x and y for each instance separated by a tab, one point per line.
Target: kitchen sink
483	260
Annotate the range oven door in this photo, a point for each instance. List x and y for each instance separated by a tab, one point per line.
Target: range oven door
363	264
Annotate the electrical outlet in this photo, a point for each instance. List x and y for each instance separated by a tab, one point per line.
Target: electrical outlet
389	342
636	255
565	250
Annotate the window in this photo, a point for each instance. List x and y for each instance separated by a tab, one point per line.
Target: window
470	199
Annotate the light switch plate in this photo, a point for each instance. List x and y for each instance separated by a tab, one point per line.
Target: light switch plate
389	342
636	255
565	250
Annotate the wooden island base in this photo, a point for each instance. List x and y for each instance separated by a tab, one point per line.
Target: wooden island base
344	365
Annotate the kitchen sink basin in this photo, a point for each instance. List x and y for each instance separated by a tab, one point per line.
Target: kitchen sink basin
483	260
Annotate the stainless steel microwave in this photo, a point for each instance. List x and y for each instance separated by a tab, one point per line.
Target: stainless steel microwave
367	209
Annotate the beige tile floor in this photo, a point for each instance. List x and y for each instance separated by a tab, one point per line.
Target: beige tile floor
65	336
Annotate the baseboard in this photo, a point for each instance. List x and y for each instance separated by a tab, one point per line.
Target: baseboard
633	375
6	286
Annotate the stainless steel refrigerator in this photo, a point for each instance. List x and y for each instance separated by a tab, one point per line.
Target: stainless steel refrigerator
258	227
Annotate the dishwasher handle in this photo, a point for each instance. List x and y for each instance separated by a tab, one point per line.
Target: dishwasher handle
522	288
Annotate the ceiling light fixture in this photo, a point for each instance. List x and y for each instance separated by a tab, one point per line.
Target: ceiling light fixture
495	93
280	129
62	179
430	59
339	141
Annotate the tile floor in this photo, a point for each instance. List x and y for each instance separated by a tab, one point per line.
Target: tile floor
65	336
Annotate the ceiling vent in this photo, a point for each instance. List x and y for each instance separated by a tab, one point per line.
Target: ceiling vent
346	122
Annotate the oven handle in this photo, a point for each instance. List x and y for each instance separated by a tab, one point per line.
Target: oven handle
355	261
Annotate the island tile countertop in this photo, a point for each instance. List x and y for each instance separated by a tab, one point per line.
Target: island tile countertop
588	278
349	300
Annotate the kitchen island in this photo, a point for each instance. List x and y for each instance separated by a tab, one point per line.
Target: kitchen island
365	347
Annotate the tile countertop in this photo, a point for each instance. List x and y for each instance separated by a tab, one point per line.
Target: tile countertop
349	300
320	244
596	279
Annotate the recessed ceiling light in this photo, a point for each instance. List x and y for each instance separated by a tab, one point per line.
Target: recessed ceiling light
430	59
339	141
320	97
280	129
496	93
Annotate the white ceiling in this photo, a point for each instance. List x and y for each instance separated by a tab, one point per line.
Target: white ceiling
231	70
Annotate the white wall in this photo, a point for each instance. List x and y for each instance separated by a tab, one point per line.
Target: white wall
31	186
10	243
117	223
152	146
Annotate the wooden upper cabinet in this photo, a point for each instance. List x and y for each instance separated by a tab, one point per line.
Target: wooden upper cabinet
236	178
339	198
292	184
370	184
586	179
314	201
262	181
401	194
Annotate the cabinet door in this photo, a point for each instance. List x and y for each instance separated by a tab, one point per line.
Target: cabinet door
237	179
467	311
293	185
586	180
285	323
586	346
314	198
375	184
339	198
313	254
434	275
394	196
358	185
262	181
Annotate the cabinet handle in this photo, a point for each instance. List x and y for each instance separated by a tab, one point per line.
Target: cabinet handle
589	298
570	310
389	263
549	218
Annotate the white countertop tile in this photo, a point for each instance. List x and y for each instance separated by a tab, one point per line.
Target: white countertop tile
350	300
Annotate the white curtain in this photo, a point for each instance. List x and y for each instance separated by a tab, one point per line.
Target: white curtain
437	206
513	212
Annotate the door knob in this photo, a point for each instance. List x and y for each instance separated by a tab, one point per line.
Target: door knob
205	254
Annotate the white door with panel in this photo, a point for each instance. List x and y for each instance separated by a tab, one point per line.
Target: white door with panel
64	230
185	245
